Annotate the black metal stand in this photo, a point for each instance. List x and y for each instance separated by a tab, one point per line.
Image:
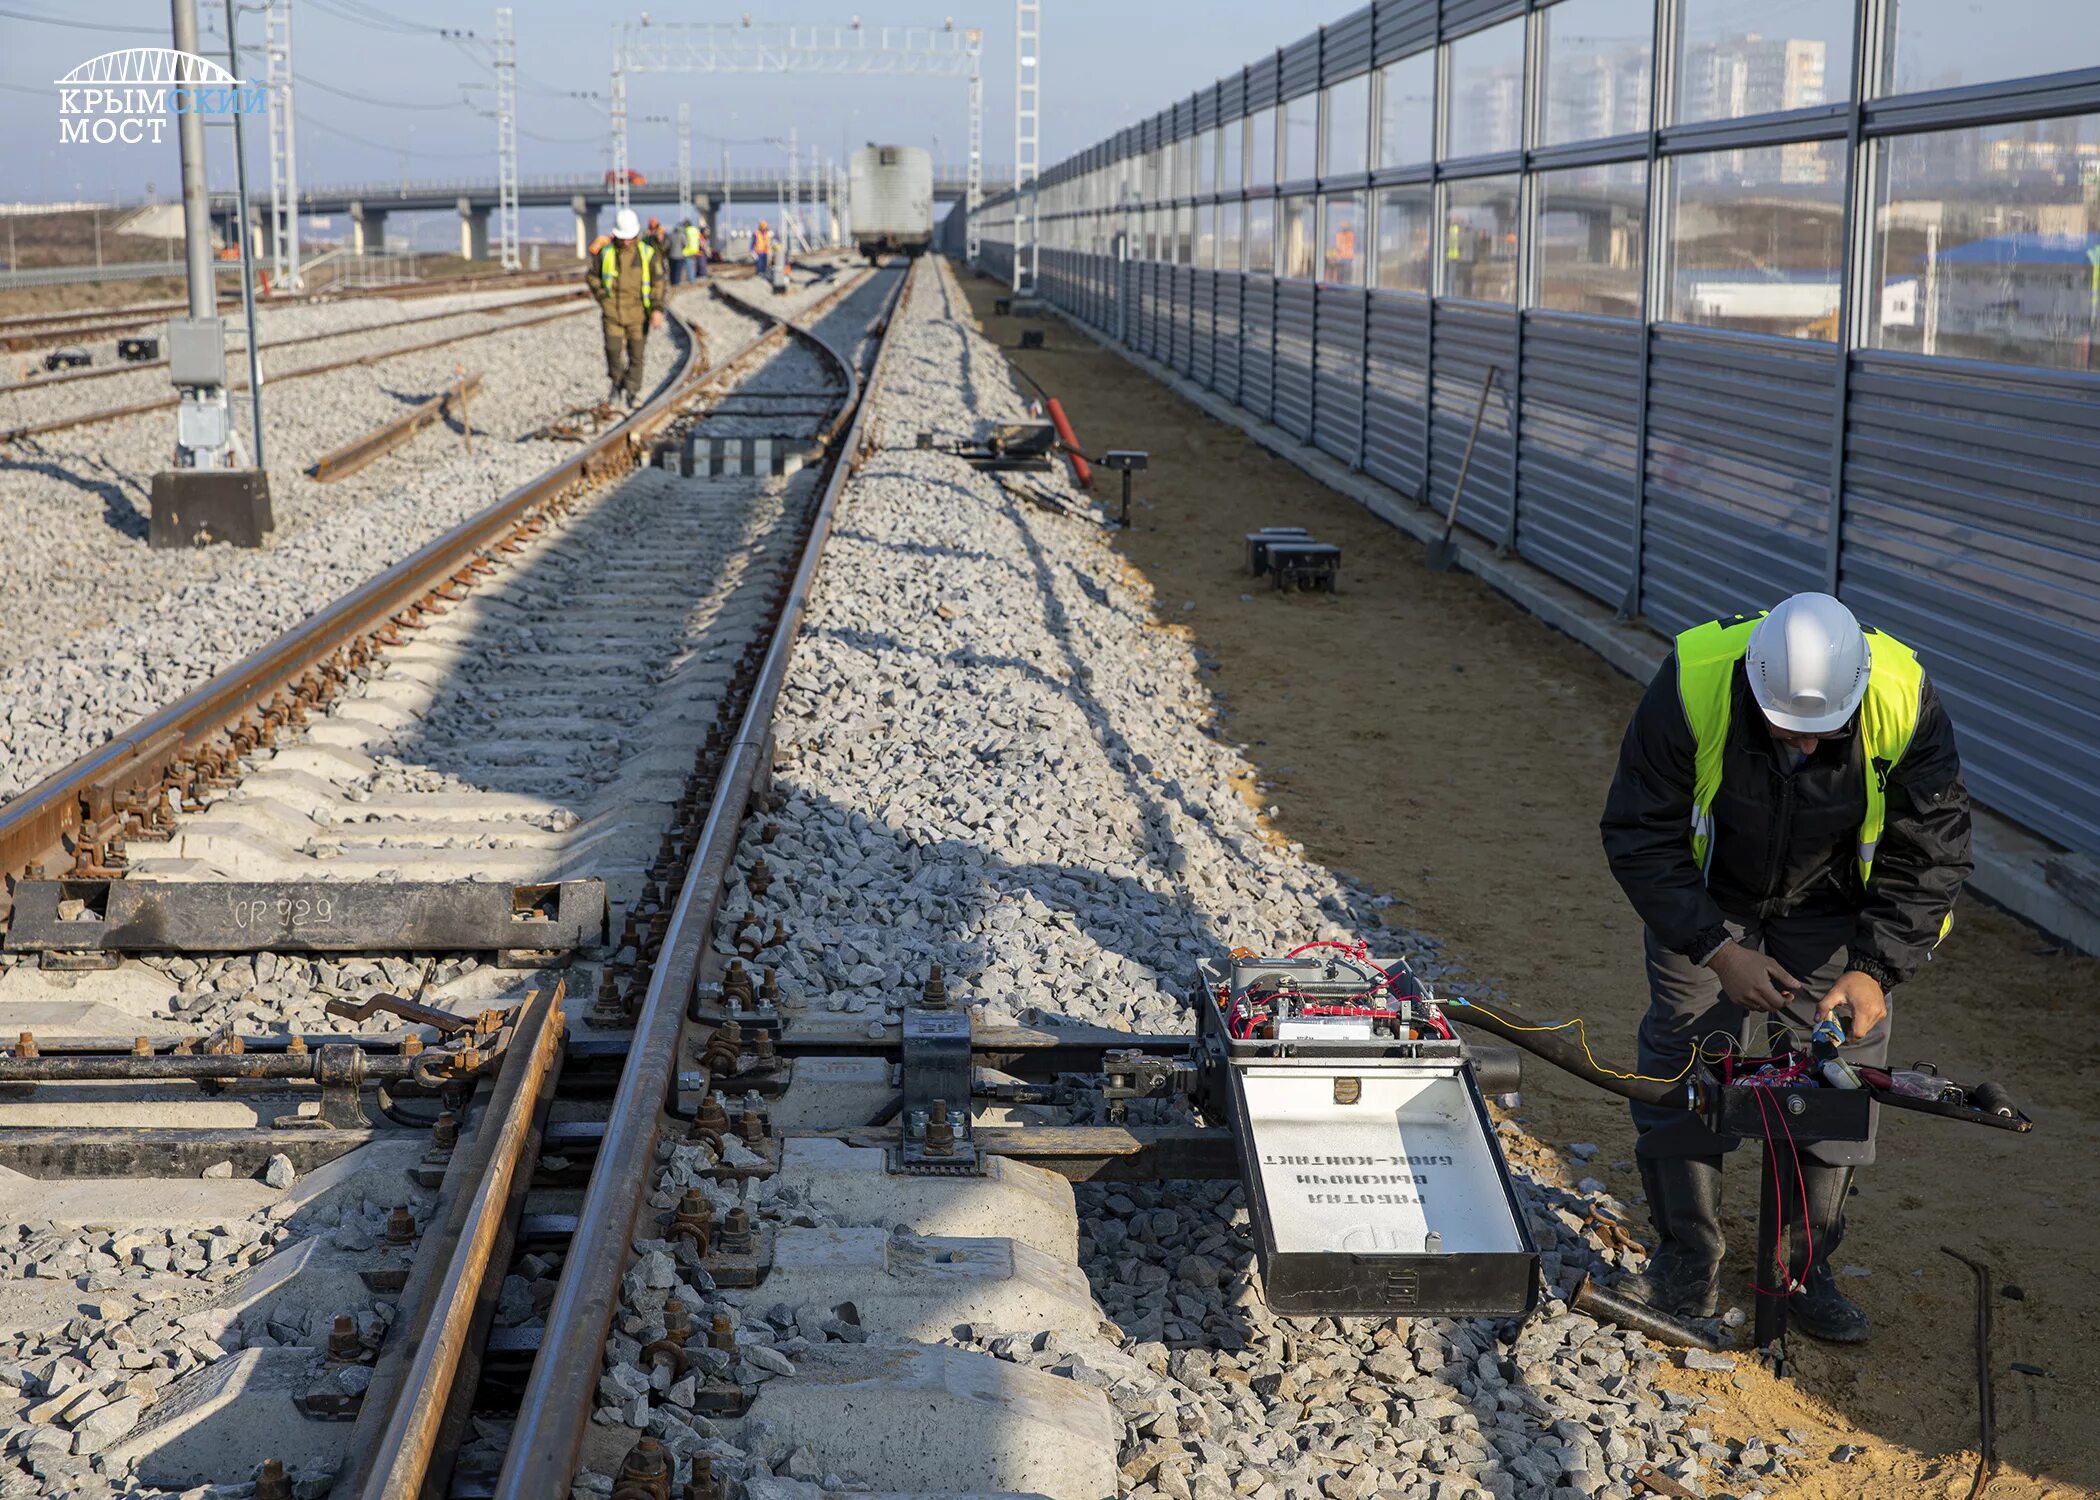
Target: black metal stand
1778	1185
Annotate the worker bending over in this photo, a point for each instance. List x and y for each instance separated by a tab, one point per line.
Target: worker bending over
623	277
1789	820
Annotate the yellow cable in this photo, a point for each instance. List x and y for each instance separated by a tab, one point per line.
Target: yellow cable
1582	1036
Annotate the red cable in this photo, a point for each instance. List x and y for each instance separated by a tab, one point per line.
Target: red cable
1779	1255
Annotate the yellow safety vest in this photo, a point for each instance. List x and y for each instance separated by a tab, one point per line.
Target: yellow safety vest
692	240
1888	717
609	265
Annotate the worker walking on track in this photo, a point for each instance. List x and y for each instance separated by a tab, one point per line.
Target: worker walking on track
762	248
624	278
689	262
1789	820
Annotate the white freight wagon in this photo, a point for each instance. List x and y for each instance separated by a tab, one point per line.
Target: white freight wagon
890	198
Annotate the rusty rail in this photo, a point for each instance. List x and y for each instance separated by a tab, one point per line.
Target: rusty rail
87	802
559	1398
444	1343
356	454
73	814
109	372
162	403
31	330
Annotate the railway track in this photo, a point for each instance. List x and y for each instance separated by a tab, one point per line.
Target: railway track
549	698
240	382
34	330
236	351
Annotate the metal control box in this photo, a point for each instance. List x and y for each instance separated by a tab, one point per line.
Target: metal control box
1374	1180
197	351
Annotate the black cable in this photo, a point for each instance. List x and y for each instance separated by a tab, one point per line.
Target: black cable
23	15
382	146
308	81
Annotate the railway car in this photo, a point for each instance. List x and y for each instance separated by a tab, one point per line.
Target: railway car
890	198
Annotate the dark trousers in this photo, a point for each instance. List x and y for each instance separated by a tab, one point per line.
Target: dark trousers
623	354
764	260
1686	1008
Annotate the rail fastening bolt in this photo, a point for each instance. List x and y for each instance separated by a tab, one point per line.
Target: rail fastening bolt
342	1340
736	1233
271	1481
400	1226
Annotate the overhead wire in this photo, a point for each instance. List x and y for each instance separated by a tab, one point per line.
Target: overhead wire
69	23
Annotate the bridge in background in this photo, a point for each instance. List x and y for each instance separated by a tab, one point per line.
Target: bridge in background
367	204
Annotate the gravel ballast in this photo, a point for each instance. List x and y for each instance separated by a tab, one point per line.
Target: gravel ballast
993	755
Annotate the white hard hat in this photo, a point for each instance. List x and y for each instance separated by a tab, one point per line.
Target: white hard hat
1808	663
626	225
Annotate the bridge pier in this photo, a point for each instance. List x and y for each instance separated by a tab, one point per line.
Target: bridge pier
367	228
473	231
584	220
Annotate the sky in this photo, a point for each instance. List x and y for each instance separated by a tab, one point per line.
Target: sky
381	95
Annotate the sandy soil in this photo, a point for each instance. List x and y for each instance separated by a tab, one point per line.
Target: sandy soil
1423	734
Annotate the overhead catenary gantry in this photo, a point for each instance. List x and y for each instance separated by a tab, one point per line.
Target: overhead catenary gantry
945	51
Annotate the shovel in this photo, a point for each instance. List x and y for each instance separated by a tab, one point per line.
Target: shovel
1442	555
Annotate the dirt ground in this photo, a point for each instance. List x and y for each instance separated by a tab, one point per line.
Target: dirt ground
1428	737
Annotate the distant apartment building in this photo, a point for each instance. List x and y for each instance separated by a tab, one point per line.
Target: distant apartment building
1746	75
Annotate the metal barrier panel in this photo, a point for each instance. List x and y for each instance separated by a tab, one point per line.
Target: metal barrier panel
1575	463
1226	314
1203	343
1338	371
1258	345
1396	377
1181	312
1294	358
1159	333
1738	504
1972	532
1471	336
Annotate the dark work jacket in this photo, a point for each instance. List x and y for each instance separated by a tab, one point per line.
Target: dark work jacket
1786	838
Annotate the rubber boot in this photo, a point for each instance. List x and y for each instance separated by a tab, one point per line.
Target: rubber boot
1684	1201
1819	1309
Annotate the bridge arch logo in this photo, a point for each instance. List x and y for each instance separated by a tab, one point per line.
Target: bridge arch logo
126	97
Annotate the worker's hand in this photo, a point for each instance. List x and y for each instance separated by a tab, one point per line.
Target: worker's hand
1861	997
1753	980
656	319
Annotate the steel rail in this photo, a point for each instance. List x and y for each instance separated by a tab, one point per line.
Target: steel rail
26	332
162	403
558	1399
419	1411
361	452
108	372
36	827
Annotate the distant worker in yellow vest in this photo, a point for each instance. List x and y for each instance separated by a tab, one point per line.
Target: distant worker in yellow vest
1789	820
625	277
688	264
762	249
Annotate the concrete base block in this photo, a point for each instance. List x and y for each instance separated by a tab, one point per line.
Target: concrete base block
1026	1204
216	1423
824	1093
164	1203
940	1420
925	1288
196	507
99	1002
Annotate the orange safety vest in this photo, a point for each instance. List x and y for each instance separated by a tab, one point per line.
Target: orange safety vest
762	242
